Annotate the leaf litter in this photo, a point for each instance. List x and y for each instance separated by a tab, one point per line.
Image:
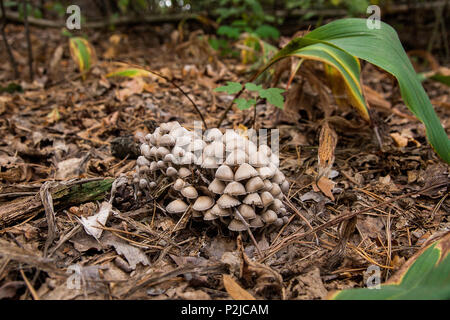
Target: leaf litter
63	127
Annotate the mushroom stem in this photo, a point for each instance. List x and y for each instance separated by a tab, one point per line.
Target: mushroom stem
238	214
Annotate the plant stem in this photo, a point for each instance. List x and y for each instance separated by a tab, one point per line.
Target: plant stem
27	33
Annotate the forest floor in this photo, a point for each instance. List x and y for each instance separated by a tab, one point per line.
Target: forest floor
60	127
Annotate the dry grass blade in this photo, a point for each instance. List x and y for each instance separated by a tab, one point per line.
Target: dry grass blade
235	290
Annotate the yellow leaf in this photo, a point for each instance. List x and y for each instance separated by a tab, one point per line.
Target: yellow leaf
235	290
82	53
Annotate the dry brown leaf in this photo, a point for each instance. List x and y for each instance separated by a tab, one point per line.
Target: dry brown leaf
327	145
326	186
235	290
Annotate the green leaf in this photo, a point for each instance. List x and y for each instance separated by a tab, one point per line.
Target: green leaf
82	53
425	276
265	31
253	87
229	32
230	88
340	42
244	104
273	96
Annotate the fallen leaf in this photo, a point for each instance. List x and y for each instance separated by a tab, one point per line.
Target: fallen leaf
235	290
93	224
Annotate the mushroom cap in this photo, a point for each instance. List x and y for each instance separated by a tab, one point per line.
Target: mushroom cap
276	190
235	143
216	186
213	134
256	222
285	186
196	214
197	145
209	216
151	138
247	211
226	201
254	184
143	183
161	164
269	216
258	159
189	192
267	185
209	163
236	157
162	152
184	172
153	166
245	171
171	172
170	158
188	158
176	206
184	140
279	222
235	188
266	198
265	149
253	199
179	184
153	153
224	173
164	127
276	205
214	149
145	150
178	151
265	172
167	140
237	225
278	177
221	212
142	161
203	203
178	132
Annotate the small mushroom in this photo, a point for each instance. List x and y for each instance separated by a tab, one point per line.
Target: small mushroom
189	192
153	166
214	149
237	225
162	151
276	190
265	172
176	206
253	199
179	184
256	222
145	150
220	212
167	141
235	188
184	172
153	152
216	186
171	172
142	161
203	203
247	211
196	145
258	159
170	158
278	177
236	157
213	134
278	222
188	158
269	216
225	201
267	185
285	186
224	173
254	184
209	163
209	216
266	198
265	149
245	171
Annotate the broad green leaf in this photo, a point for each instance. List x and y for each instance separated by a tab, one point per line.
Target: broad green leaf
339	42
425	276
82	53
265	31
230	88
253	87
228	31
273	96
244	104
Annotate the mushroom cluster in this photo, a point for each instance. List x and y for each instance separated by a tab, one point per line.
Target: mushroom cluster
218	176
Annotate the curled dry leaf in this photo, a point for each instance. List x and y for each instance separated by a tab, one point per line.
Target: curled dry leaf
93	224
235	290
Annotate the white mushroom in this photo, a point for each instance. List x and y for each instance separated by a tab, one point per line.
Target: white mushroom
224	173
225	201
189	192
176	206
216	186
235	188
203	203
245	171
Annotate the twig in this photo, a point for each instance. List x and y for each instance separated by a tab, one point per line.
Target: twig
27	34
8	48
29	286
249	231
